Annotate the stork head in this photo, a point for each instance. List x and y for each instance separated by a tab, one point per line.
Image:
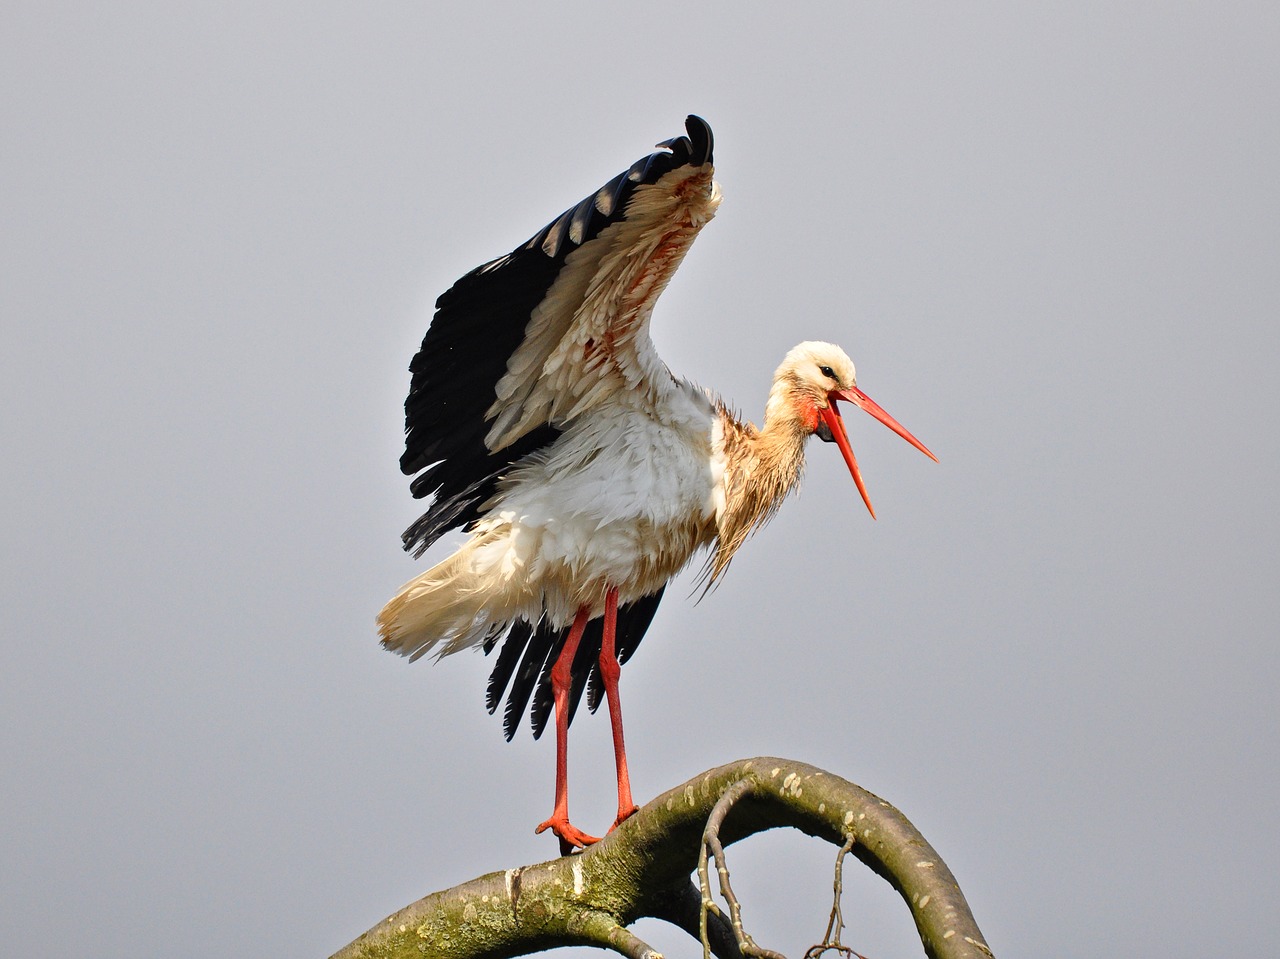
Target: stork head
811	379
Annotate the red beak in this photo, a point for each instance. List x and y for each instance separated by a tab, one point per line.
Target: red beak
835	424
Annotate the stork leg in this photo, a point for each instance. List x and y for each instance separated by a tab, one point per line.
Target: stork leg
609	672
561	676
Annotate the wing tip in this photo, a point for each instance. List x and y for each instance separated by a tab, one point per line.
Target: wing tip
693	149
701	140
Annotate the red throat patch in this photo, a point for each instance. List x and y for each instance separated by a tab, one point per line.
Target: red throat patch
808	411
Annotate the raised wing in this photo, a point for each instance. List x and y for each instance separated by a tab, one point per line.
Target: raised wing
528	341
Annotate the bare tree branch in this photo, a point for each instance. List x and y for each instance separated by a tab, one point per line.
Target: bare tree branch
711	845
835	923
642	869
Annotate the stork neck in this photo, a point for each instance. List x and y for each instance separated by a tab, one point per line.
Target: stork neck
778	449
761	468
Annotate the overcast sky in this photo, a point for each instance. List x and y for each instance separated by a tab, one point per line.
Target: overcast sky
1046	233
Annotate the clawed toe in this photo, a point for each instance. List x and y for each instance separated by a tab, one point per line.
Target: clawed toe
570	836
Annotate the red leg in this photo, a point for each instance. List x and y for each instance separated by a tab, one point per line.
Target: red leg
570	836
609	672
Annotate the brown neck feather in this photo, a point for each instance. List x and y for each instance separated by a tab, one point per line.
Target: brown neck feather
761	468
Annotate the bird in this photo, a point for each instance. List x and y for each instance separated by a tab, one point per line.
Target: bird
583	473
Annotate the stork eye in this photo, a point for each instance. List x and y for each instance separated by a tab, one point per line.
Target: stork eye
827	372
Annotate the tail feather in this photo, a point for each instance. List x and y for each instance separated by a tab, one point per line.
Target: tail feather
445	609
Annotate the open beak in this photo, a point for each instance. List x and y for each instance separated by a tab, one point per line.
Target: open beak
835	431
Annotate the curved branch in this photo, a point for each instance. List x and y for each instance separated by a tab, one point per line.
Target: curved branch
642	869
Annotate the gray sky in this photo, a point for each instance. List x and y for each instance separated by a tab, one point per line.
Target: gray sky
1046	233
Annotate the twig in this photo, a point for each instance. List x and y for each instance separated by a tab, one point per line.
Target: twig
831	938
711	843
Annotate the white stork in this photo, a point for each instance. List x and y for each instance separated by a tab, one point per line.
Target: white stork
584	473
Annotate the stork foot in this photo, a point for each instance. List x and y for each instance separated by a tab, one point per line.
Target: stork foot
570	836
623	817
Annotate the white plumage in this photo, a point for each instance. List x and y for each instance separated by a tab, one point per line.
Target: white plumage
622	498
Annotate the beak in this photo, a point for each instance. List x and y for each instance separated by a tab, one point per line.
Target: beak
835	431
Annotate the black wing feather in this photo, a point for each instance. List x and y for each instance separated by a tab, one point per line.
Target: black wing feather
533	665
584	661
633	623
517	639
536	652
